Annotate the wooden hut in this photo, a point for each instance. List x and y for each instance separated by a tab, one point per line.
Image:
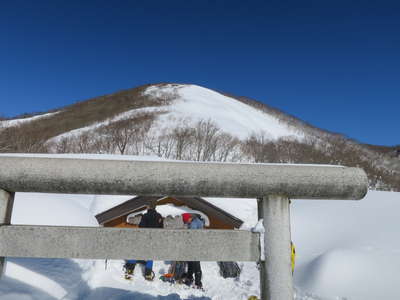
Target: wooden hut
117	216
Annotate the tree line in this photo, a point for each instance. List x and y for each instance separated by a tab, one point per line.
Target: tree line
203	140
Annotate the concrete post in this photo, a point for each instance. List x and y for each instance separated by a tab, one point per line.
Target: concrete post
276	280
6	205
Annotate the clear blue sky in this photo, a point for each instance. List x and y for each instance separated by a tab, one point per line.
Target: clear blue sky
334	64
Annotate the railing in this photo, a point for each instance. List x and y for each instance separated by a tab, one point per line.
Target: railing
272	185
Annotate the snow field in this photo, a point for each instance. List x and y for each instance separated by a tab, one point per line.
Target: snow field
112	277
345	250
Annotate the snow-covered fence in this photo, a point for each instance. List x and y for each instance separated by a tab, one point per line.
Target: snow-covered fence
273	186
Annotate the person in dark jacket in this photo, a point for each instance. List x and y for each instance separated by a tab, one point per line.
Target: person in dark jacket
193	222
151	219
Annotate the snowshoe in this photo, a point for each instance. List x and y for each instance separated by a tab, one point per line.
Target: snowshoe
188	281
192	285
176	273
168	277
129	270
128	277
149	275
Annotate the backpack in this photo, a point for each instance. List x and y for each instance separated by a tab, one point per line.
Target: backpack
200	218
179	270
229	269
176	274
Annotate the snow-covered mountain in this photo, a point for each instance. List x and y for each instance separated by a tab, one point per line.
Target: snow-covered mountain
191	103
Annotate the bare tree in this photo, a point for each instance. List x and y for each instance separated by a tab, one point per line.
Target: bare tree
226	145
140	139
4	138
205	140
165	146
183	137
260	148
18	139
64	145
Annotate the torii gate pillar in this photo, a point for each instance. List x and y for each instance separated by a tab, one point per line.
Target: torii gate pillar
6	205
276	280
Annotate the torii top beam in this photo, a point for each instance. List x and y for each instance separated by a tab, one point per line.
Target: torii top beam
237	180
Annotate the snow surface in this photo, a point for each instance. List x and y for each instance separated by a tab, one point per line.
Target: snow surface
261	230
345	250
349	248
87	156
194	103
15	122
147	158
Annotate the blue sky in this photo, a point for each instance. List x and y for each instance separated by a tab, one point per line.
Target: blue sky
334	64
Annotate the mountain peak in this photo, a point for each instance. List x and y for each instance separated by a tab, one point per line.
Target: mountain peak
192	103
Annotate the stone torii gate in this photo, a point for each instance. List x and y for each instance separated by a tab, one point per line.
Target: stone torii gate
272	184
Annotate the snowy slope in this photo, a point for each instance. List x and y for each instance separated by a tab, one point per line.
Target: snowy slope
198	103
15	122
345	250
193	103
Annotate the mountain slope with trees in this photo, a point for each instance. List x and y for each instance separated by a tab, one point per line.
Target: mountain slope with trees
189	122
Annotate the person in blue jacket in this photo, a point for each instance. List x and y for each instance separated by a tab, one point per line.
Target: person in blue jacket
193	221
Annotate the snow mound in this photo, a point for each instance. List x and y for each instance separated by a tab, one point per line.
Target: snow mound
349	272
51	209
348	248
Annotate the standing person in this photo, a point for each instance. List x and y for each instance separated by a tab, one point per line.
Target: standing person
193	221
151	219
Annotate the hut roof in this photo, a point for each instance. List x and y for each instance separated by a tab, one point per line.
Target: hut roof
195	203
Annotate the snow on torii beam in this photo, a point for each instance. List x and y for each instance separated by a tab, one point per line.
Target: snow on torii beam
113	177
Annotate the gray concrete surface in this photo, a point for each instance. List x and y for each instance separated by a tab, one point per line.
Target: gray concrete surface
6	205
89	176
124	243
276	281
